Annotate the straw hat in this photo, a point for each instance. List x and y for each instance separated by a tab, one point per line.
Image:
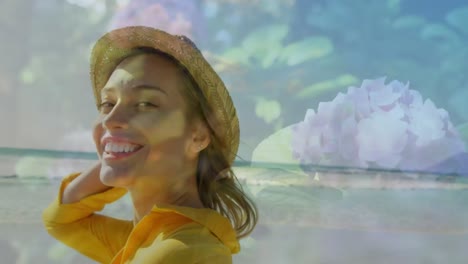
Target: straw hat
116	45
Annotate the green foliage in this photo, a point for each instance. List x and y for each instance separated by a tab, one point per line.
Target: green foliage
336	85
383	42
306	49
264	46
345	43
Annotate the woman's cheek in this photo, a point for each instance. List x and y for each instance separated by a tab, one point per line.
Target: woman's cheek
98	132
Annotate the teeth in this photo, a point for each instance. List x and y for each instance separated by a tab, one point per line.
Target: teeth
119	147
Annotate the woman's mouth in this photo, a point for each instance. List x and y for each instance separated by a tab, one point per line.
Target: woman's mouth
117	151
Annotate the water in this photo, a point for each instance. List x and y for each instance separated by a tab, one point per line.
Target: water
332	220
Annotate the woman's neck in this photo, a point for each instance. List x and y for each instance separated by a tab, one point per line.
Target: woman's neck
183	192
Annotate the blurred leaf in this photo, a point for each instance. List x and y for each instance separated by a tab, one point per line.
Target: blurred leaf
236	55
33	167
59	252
346	80
268	55
27	76
268	110
458	18
276	148
264	36
337	84
438	32
264	44
307	49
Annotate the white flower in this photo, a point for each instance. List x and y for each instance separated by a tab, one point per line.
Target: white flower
386	126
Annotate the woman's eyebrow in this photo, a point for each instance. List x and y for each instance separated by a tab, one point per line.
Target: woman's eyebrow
137	88
107	90
146	87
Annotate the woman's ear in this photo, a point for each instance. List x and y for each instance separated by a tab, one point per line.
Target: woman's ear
200	137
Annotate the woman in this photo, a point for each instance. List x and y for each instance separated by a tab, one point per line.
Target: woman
167	132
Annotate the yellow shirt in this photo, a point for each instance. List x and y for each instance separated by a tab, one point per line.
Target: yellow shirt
167	235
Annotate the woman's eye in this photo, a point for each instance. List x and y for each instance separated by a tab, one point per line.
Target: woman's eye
105	105
146	104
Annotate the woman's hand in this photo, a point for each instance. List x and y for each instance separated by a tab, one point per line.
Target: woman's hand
86	184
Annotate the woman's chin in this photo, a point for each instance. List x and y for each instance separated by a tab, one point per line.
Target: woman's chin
116	177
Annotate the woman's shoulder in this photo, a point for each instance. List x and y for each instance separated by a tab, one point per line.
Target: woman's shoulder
195	234
200	227
190	243
181	249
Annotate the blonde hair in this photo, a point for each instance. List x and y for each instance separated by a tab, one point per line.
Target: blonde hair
218	186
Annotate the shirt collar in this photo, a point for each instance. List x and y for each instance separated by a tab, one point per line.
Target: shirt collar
219	225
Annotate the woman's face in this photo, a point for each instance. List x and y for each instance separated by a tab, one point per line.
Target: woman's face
142	134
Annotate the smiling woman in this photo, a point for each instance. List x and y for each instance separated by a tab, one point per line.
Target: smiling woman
167	133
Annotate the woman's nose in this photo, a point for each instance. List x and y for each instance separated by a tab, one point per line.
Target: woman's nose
118	118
